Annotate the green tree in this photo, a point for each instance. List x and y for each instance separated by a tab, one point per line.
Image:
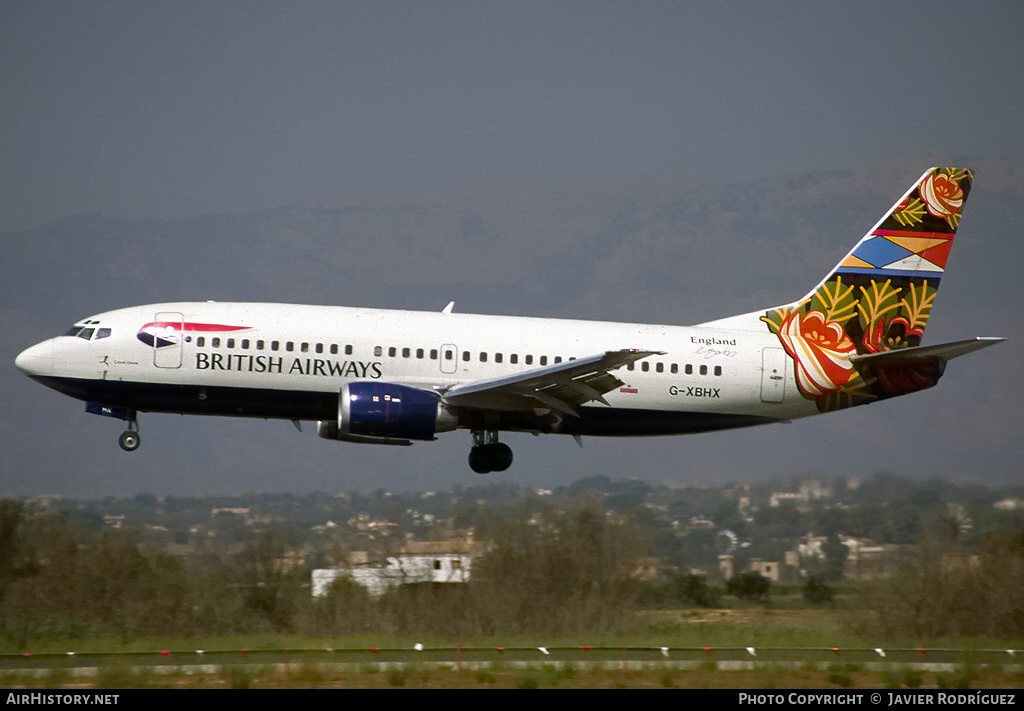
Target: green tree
695	590
816	591
749	586
835	558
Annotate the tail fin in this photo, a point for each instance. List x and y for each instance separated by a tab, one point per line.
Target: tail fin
878	298
913	240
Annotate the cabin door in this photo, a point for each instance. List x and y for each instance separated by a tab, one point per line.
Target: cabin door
168	333
773	374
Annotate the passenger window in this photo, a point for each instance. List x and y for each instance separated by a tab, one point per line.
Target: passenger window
631	366
497	357
231	343
334	349
419	353
319	348
406	352
659	367
260	345
718	370
289	346
378	351
465	356
558	359
513	359
689	369
274	345
215	342
304	348
703	370
348	350
529	360
245	344
201	341
645	366
483	357
392	351
674	368
543	360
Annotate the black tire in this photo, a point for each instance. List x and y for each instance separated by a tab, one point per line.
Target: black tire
479	459
129	441
501	457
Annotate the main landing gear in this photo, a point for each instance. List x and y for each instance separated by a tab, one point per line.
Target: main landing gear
488	454
130	439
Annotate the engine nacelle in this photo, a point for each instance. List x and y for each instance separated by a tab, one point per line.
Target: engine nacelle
385	413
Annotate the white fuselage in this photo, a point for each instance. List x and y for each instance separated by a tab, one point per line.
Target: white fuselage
252	359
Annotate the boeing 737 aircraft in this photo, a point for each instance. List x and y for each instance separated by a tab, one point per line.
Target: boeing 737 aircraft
395	377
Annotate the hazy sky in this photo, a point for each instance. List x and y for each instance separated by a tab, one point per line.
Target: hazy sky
157	109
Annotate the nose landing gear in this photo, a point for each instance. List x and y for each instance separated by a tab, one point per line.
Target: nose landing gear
488	454
129	440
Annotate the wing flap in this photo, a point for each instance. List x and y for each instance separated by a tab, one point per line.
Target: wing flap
562	387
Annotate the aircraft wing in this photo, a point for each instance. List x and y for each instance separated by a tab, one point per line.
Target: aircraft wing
917	354
562	387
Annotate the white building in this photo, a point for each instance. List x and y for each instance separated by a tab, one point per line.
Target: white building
416	562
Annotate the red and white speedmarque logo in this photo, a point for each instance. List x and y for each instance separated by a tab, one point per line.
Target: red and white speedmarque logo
160	334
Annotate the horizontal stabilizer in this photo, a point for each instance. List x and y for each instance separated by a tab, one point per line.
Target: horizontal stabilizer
910	356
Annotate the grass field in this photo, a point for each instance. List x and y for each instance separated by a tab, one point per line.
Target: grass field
793	652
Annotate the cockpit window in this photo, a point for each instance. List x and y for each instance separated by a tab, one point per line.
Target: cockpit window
88	333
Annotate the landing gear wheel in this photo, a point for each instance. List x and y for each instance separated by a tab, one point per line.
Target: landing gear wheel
478	460
501	456
493	457
129	440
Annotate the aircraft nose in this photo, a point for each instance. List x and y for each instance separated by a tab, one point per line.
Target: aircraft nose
36	360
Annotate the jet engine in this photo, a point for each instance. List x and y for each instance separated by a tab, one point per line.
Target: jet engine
385	413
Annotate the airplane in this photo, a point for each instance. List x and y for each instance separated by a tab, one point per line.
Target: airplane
396	377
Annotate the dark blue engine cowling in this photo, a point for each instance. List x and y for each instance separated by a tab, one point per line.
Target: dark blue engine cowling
389	410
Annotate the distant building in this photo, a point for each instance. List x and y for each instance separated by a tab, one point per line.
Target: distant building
244	512
865	558
809	491
780	497
416	562
765	568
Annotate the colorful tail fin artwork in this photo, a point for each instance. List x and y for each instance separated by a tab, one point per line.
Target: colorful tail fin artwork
877	300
